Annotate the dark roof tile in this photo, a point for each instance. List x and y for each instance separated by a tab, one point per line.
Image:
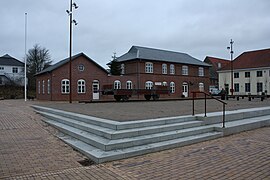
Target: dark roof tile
151	54
7	60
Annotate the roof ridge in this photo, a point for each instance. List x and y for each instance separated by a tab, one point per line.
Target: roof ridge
157	49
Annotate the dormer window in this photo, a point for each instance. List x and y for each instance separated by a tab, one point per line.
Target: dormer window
122	68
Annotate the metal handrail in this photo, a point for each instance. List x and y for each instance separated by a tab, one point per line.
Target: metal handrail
207	94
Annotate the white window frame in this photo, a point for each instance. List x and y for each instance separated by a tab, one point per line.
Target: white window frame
148	85
48	86
185	70
129	84
172	69
43	87
201	71
81	86
15	70
117	84
172	87
65	86
201	87
149	67
122	68
164	68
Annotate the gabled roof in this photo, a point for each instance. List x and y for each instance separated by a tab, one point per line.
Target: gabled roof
7	60
144	53
61	63
251	59
215	61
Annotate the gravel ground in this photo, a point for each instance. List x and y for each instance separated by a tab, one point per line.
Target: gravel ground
139	110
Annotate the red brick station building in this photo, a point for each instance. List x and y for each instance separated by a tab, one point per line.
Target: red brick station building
141	68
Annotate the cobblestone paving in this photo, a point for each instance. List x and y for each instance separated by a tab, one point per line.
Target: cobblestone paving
29	150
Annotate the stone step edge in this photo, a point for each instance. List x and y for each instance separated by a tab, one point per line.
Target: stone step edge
100	156
118	134
131	124
106	144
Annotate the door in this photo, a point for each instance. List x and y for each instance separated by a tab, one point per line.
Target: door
95	89
185	89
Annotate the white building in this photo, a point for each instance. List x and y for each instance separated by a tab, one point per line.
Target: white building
251	73
11	71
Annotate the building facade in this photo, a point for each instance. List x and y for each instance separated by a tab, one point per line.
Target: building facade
141	68
217	64
11	71
251	73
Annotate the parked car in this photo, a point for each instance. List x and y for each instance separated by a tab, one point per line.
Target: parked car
215	92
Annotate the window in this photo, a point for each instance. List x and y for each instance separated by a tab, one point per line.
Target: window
43	87
38	87
129	84
164	83
65	86
48	86
172	71
201	87
219	65
148	85
247	74
172	87
122	68
236	75
164	68
81	86
148	67
14	70
184	70
247	87
1	68
117	84
236	87
259	73
81	67
201	71
259	87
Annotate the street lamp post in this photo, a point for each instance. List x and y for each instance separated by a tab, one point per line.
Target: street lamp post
231	52
72	5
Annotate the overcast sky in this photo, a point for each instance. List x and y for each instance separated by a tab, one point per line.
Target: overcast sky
198	27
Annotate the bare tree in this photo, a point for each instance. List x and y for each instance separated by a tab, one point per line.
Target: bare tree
38	58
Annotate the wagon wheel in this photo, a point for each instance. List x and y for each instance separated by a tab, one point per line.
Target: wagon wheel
117	98
147	97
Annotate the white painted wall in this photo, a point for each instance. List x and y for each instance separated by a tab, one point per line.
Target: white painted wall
225	78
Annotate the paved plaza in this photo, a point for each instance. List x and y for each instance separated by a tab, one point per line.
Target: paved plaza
29	148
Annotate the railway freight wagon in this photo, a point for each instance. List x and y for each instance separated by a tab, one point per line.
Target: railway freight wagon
125	94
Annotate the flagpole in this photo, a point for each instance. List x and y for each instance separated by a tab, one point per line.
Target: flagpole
25	60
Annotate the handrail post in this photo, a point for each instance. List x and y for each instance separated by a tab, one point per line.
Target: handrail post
223	120
193	103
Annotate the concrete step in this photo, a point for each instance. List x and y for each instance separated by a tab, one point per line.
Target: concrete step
115	125
105	140
238	126
100	156
216	117
107	144
117	134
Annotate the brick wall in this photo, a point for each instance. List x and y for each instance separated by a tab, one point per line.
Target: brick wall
92	72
